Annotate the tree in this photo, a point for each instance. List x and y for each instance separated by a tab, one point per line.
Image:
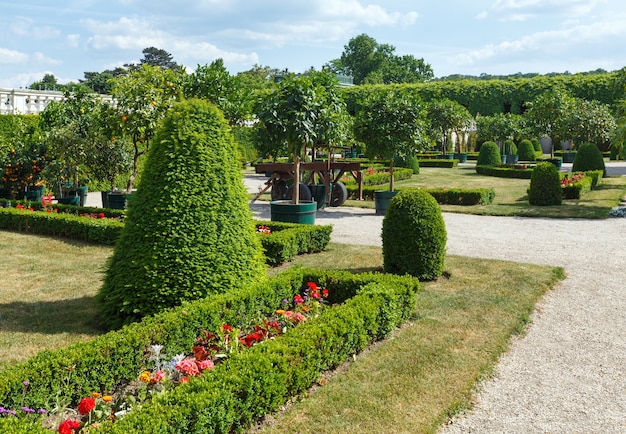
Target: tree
391	124
546	112
618	141
48	82
303	111
100	82
214	83
367	61
588	122
143	97
71	128
447	116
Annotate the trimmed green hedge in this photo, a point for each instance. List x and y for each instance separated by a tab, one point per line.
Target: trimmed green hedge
433	162
443	196
287	240
381	178
239	391
504	172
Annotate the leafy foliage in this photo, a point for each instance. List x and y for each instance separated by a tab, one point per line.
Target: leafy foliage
588	158
414	236
489	155
188	231
391	125
445	117
545	185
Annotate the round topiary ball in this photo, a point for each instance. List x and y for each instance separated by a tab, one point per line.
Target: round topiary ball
188	231
545	185
489	155
526	151
537	145
414	235
588	157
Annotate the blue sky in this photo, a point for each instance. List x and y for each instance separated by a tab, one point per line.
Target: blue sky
68	38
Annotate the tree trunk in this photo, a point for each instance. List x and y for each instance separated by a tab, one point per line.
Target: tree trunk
296	179
391	174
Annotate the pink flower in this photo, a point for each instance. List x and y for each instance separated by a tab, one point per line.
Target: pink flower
205	364
188	366
159	376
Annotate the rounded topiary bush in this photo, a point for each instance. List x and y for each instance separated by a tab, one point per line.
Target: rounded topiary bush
188	231
526	151
588	157
537	145
489	155
545	185
414	235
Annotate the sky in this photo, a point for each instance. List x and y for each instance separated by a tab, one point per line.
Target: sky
496	37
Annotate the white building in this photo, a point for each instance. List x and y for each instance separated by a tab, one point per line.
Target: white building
28	101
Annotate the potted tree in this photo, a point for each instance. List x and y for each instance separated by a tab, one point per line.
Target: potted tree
390	124
445	117
303	111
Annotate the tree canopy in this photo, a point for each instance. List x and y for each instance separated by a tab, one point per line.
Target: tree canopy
369	62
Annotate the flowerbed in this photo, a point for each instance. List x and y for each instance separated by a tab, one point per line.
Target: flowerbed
239	390
380	176
575	185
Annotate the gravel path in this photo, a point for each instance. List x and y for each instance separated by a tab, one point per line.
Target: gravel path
568	373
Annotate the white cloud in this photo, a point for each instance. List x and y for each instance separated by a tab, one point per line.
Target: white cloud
26	27
41	59
481	16
126	33
72	40
12	57
373	15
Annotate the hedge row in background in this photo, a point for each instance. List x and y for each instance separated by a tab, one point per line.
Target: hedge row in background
505	172
284	242
380	178
239	391
439	163
443	196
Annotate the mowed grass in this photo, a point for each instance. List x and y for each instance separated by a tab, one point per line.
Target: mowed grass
47	289
410	382
511	194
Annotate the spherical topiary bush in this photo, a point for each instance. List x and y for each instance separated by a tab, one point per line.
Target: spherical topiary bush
414	235
545	185
489	155
188	231
510	147
588	157
526	151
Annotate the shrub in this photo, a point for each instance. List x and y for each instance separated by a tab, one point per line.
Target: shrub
526	151
489	155
536	145
414	236
188	231
588	157
410	162
545	185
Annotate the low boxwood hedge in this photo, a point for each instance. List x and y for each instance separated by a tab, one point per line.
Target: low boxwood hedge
439	163
443	196
239	391
382	177
285	241
505	172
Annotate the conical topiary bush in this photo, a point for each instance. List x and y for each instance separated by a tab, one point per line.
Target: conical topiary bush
589	157
188	231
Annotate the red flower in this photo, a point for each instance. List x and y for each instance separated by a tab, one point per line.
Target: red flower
86	405
251	339
68	426
297	299
19	206
324	293
227	328
101	215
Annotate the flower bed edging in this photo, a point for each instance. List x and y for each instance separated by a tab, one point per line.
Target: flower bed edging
243	388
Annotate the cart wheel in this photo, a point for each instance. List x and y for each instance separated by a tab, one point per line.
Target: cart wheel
305	192
339	194
279	190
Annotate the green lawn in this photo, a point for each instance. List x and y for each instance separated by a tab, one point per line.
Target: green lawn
511	197
411	382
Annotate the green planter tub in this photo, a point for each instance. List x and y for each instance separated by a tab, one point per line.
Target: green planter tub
286	211
382	199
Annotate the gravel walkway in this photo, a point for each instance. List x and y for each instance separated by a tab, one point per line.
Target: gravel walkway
568	373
